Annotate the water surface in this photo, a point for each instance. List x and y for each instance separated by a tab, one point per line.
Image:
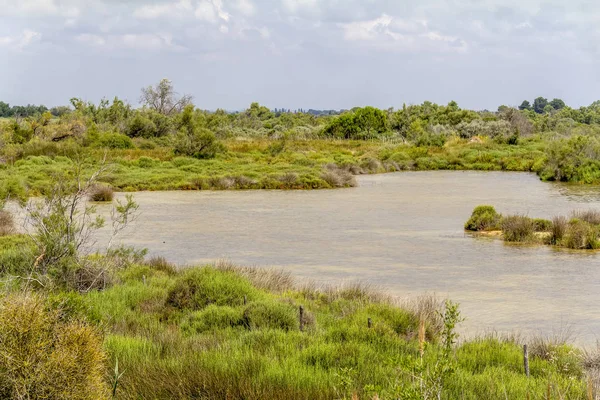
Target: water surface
401	232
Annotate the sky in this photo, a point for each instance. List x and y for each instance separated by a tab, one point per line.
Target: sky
322	54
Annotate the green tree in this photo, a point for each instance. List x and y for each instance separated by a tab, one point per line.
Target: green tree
557	104
539	104
525	105
162	98
193	140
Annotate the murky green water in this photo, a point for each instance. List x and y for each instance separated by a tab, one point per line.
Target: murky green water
401	232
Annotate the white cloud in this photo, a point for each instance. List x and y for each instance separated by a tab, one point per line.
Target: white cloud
135	41
20	41
246	7
30	8
154	11
367	30
211	11
293	6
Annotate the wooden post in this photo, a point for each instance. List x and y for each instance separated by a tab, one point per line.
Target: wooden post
144	279
370	323
526	359
245	299
301	319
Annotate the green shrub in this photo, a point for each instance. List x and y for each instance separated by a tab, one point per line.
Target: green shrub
198	288
114	141
581	235
43	357
212	318
271	315
484	218
542	225
518	228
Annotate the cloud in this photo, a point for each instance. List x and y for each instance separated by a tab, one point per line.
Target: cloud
145	42
20	41
211	11
245	7
164	10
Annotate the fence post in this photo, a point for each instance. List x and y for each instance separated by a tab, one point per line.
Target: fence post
370	323
301	319
526	359
245	299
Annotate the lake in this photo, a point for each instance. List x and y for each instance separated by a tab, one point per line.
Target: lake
402	232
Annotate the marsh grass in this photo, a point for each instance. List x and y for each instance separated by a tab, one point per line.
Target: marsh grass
484	218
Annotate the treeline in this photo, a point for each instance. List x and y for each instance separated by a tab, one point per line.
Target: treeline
30	110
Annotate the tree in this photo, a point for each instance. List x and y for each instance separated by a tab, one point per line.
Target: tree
557	104
525	105
162	98
193	140
539	104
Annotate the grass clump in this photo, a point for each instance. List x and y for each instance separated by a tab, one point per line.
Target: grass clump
213	318
45	357
484	218
518	228
101	193
200	287
271	315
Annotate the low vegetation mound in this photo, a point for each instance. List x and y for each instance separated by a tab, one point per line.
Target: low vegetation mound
580	232
484	218
101	193
198	288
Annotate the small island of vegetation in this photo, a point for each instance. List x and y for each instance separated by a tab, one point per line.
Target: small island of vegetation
580	231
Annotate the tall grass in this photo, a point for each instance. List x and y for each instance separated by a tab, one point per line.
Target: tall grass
7	223
518	228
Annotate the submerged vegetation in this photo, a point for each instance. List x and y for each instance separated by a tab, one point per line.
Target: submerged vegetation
580	231
168	144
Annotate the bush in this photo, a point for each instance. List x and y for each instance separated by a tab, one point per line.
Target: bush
46	358
559	228
114	141
484	218
161	264
581	235
337	177
271	315
101	193
212	318
198	288
518	228
542	225
7	223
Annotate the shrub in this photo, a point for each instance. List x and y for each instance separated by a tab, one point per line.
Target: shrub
114	141
45	357
212	318
484	218
198	288
7	223
337	177
581	235
101	193
271	315
518	228
542	225
559	228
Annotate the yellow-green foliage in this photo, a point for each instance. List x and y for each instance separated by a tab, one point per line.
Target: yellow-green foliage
45	357
484	218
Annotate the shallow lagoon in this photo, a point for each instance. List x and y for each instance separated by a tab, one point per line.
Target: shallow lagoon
401	232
